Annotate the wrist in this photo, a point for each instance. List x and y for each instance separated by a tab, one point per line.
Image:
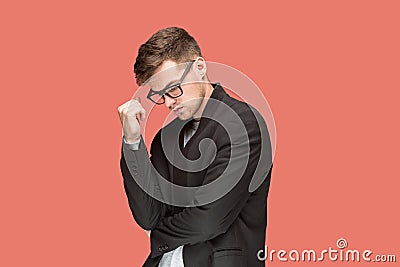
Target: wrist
131	140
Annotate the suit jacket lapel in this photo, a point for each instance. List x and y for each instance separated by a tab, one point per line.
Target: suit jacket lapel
205	129
217	94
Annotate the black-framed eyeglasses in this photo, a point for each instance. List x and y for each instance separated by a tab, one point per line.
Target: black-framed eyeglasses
173	91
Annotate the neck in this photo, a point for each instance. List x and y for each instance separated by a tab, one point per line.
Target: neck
208	91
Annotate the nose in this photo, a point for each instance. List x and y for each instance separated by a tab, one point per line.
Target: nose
169	101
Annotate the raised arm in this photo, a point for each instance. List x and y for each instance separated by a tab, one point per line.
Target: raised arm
140	177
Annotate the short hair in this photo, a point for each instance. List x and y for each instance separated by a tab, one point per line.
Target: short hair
171	43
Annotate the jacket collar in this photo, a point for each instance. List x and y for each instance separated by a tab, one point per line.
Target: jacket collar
217	94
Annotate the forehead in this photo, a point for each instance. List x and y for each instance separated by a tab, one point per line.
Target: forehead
168	71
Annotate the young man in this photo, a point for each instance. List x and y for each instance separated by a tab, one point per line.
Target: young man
192	193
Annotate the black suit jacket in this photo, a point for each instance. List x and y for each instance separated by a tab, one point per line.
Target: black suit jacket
226	232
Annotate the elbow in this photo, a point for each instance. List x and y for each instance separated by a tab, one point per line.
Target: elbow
146	223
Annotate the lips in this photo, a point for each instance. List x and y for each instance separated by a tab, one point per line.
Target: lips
178	109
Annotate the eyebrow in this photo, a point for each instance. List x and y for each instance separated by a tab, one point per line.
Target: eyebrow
171	83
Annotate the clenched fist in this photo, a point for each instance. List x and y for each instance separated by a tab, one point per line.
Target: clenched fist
129	113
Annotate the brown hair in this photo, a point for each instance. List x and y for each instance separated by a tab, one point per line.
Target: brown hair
171	43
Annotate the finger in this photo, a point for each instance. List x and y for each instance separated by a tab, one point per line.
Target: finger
123	106
121	114
138	117
142	112
120	108
132	108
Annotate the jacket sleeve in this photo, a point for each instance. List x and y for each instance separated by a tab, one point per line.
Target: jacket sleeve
140	185
204	222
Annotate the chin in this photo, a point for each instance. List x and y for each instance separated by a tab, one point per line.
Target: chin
184	116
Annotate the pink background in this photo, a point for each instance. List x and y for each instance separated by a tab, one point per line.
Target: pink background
329	69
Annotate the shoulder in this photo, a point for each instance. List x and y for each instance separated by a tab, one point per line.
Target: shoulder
248	114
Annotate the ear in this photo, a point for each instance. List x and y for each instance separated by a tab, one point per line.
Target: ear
200	67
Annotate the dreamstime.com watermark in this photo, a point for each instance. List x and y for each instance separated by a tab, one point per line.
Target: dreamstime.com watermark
310	255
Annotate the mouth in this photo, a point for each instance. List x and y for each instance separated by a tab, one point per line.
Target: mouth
178	109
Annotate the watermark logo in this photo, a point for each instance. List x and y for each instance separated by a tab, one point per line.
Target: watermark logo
341	254
341	243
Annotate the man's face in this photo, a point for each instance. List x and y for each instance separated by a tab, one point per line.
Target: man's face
186	105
